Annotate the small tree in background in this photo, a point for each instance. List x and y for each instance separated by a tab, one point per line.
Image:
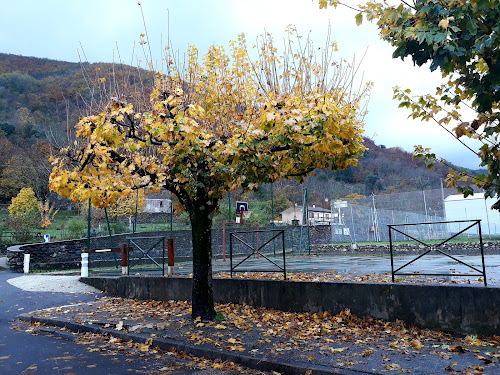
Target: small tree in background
23	214
128	206
47	214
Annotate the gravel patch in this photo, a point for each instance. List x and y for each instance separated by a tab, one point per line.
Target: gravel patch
59	284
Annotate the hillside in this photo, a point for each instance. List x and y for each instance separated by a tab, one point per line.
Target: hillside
41	100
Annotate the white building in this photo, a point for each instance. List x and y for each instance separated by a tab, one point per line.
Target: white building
317	216
157	203
474	207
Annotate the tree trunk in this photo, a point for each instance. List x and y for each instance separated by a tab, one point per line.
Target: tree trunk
201	229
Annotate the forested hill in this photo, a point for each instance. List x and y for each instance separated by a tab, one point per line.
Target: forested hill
40	99
36	95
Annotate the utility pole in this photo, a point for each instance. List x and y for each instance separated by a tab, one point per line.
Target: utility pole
228	206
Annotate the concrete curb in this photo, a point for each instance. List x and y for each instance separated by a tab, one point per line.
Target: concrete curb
262	364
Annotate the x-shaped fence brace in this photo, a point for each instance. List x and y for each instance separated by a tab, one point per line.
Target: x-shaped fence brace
434	247
145	253
257	250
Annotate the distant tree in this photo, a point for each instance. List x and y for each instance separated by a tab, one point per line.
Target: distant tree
7	129
281	203
373	184
261	213
39	153
128	206
23	213
7	151
17	173
222	123
355	197
346	175
47	214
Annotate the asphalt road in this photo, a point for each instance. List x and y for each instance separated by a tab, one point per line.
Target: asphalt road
23	352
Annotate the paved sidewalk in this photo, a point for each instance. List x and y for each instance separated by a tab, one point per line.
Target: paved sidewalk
270	340
52	283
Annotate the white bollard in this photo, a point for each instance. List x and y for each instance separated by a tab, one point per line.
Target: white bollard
85	265
170	270
26	267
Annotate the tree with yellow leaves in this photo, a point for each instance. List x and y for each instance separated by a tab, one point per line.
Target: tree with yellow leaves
217	124
127	206
23	213
47	214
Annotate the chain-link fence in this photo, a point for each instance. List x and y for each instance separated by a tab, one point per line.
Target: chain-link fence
347	220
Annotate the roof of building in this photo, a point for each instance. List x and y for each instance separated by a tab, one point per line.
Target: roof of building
160	195
311	209
460	197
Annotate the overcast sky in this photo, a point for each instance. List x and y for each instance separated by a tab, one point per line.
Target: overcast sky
56	28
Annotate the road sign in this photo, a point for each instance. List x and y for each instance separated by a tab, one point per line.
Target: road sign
241	206
46	238
340	204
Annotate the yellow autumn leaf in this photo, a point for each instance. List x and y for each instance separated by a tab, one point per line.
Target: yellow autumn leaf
416	344
338	350
444	23
393	366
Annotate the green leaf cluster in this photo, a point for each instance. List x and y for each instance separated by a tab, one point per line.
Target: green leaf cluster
461	38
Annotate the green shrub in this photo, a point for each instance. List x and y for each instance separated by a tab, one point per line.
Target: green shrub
76	227
119	227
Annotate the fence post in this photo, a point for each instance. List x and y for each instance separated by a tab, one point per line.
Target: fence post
124	249
85	265
26	266
170	244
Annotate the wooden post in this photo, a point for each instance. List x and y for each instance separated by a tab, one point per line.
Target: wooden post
124	249
171	262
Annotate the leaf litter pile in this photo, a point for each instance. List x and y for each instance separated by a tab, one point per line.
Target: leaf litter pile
341	340
332	276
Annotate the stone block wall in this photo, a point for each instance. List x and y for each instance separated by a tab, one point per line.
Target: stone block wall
464	248
46	256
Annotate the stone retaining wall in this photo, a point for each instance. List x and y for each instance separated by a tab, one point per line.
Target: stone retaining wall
472	248
453	308
46	256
